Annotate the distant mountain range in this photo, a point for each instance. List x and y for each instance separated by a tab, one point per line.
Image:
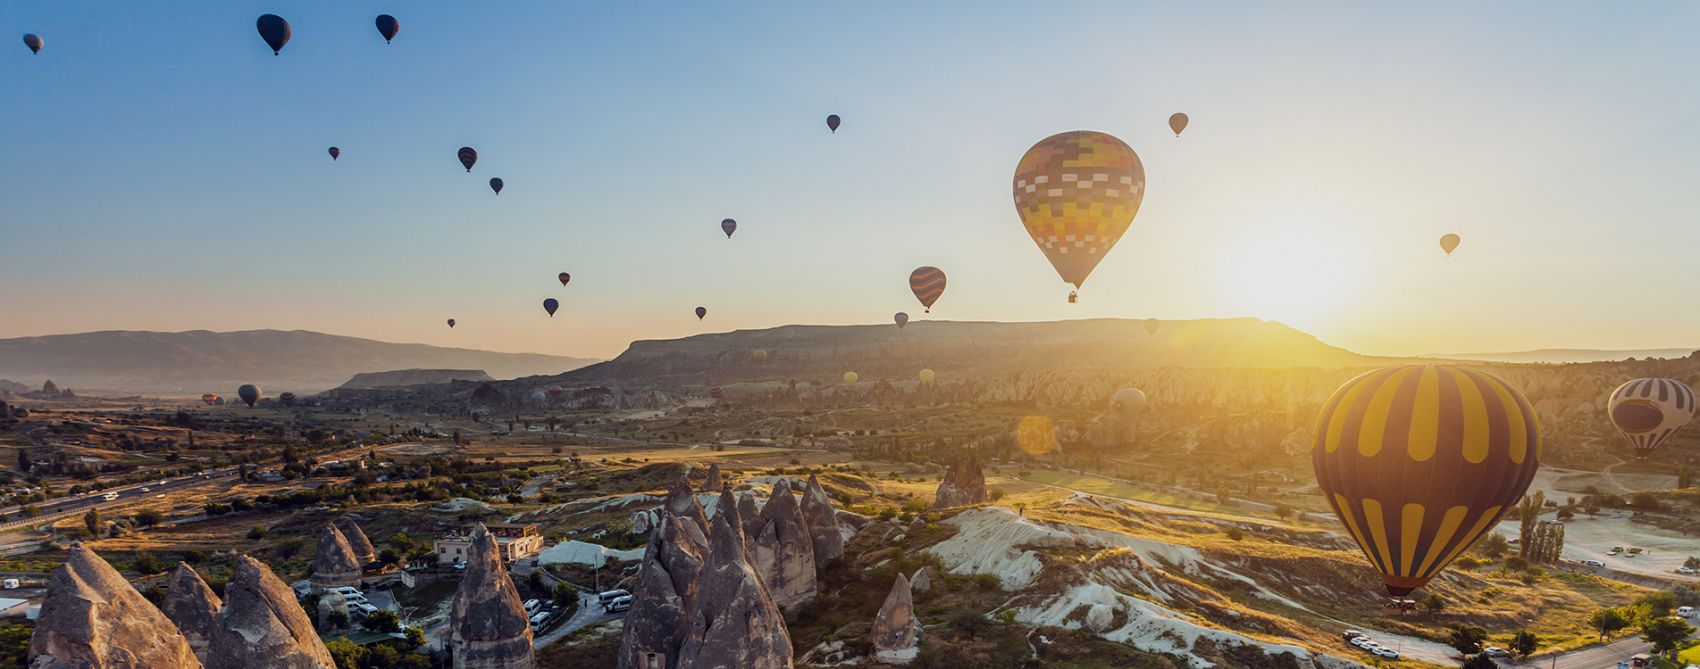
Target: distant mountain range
202	361
1564	355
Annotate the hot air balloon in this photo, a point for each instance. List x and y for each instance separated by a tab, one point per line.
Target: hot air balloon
557	392
901	318
1448	242
564	277
850	379
701	312
468	157
496	185
451	323
1420	461
550	305
759	355
728	226
538	397
335	153
286	399
1177	123
274	30
34	42
927	377
210	399
387	26
1077	193
1648	411
928	284
832	121
1151	325
1130	401
249	393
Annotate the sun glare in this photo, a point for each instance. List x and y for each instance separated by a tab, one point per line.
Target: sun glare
1296	276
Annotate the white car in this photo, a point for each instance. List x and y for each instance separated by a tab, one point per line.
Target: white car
365	609
1496	651
1361	642
1593	563
1387	653
1687	570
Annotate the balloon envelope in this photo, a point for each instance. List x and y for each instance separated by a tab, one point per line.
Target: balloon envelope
468	157
760	355
901	318
1128	401
451	322
927	377
850	379
1177	123
249	393
1077	193
1648	411
564	277
832	122
335	153
1151	325
1420	461
210	399
701	312
496	185
274	30
728	226
33	42
286	399
387	26
1448	242
550	305
927	283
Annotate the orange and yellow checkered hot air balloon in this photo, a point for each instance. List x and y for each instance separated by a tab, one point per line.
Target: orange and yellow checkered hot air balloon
1077	193
1420	461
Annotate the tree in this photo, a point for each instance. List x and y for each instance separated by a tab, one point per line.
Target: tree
1524	644
1608	621
382	621
1480	662
24	460
91	520
1466	639
1492	546
1528	514
1433	604
1665	633
147	518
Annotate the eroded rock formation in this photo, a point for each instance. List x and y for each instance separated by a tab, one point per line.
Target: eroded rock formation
964	484
93	619
262	626
357	541
681	501
655	625
732	621
896	634
784	550
191	605
488	628
828	539
714	479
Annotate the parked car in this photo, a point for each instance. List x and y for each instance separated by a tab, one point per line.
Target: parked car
618	605
1496	651
1685	611
539	620
611	595
1593	563
1386	653
531	605
1348	635
1615	550
1687	570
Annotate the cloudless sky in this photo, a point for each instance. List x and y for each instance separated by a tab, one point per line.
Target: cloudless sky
160	169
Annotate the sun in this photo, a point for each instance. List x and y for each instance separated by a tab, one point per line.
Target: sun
1298	275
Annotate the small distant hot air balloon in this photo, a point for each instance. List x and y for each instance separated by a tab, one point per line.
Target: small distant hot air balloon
850	379
335	153
1177	123
759	355
564	277
1077	192
716	392
274	30
728	226
1420	461
1151	326
1449	241
468	157
496	185
550	305
832	121
901	318
286	399
210	399
387	26
927	377
1129	401
1648	411
34	42
557	392
928	284
249	393
701	312
451	323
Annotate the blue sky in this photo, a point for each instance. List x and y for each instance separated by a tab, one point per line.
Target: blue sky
161	169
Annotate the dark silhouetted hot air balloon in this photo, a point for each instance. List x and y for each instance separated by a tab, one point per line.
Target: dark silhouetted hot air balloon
1152	325
249	393
286	399
1448	242
387	26
550	305
451	323
1077	193
496	185
759	355
928	284
701	312
468	157
1420	461
728	226
832	122
335	153
1129	401
274	30
1648	411
1177	123
901	318
210	399
564	277
34	42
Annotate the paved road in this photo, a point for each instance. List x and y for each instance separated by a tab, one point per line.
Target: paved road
1598	657
589	613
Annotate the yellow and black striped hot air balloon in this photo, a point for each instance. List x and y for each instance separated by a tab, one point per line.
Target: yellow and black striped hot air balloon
1420	461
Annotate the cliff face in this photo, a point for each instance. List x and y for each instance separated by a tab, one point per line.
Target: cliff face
93	619
412	377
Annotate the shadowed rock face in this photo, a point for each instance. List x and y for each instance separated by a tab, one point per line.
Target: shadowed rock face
823	523
655	625
488	628
192	606
732	622
714	479
334	562
262	626
896	634
963	485
364	553
784	550
728	504
749	518
93	619
681	501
